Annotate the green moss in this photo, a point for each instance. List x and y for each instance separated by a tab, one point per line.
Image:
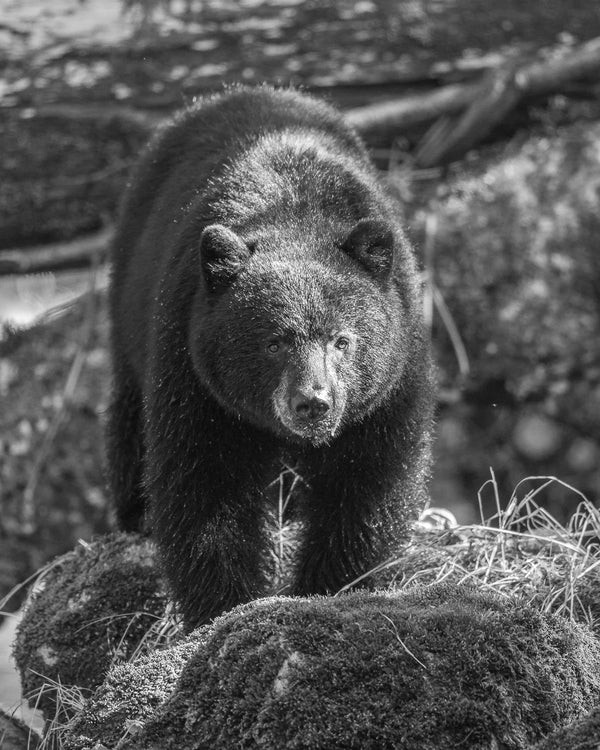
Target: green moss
92	608
439	666
129	695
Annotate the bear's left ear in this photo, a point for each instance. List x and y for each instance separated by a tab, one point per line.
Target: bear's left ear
371	243
223	255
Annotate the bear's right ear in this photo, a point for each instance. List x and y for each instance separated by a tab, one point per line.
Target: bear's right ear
222	254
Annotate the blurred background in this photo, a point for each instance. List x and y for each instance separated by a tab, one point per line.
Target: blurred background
484	119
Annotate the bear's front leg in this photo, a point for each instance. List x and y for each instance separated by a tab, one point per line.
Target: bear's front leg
214	559
206	475
365	492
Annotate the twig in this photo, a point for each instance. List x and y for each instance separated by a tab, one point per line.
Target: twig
459	348
431	227
401	642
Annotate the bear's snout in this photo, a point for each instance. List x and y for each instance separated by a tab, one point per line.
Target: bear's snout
310	407
309	400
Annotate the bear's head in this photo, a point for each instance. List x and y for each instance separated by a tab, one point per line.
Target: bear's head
303	341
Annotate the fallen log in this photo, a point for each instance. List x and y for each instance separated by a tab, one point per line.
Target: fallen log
412	110
484	105
450	137
78	253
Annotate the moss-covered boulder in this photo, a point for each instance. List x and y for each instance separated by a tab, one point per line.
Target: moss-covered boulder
580	735
435	667
91	608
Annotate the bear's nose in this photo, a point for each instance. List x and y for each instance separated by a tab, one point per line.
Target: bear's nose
311	408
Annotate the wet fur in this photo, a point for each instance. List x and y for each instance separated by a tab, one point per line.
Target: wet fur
194	435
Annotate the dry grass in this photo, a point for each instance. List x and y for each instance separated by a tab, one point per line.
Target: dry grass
283	531
521	550
68	701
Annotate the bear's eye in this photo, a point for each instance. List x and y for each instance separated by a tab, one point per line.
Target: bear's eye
342	343
273	347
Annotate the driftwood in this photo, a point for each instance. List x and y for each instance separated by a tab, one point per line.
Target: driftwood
484	105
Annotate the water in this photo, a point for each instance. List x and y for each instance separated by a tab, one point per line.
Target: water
25	298
10	684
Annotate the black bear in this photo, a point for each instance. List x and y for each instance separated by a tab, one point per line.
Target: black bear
264	302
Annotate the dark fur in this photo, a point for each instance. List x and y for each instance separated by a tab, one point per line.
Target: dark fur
305	245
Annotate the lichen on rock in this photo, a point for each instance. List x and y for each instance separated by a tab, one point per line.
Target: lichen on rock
91	608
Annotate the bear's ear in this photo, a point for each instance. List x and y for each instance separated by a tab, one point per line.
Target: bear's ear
371	243
223	255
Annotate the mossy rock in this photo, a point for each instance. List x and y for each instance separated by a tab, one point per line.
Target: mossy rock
92	607
580	735
438	666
